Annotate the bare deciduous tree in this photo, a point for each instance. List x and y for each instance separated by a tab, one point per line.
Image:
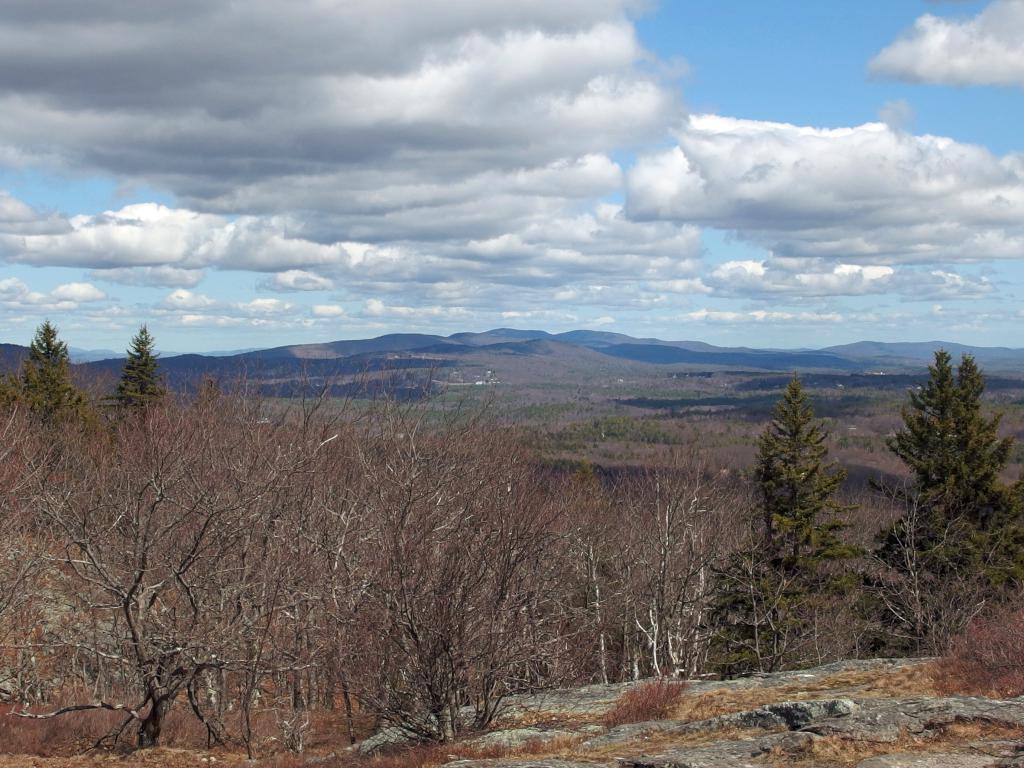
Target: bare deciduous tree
156	526
462	597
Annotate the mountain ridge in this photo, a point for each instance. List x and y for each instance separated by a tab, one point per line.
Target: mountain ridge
537	355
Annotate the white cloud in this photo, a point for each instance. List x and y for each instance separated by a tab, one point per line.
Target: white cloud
938	283
689	285
372	89
794	279
78	292
297	280
150	244
14	211
987	49
139	235
328	310
183	299
17	296
801	277
157	277
436	167
866	194
443	157
378	308
763	316
265	306
188	308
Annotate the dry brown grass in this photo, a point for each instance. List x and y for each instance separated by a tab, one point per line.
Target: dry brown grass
433	755
988	659
659	742
420	756
77	732
542	718
912	680
161	757
841	752
651	700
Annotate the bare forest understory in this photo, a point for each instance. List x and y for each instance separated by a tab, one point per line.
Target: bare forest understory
854	714
220	578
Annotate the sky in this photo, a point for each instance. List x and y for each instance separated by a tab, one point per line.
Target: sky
783	174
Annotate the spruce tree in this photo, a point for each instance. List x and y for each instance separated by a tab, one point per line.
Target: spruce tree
773	587
797	486
140	382
956	456
45	383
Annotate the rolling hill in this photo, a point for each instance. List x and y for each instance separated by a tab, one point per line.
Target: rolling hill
524	356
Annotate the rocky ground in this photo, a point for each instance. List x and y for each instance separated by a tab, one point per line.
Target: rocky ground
864	714
859	714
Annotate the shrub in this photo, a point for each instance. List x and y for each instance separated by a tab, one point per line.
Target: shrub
72	733
650	700
988	658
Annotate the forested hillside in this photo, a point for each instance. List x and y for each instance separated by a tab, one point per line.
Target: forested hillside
220	565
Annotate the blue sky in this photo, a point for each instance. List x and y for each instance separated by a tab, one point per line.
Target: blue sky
765	174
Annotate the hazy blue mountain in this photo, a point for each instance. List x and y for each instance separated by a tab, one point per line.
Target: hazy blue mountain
908	353
392	342
772	360
91	355
526	355
498	336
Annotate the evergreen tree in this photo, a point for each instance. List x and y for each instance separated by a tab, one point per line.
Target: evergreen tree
797	486
774	587
955	455
140	383
953	450
45	384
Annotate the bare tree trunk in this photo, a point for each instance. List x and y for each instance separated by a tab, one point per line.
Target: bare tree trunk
152	724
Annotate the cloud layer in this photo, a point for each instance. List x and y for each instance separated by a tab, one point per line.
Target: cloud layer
987	49
868	194
365	163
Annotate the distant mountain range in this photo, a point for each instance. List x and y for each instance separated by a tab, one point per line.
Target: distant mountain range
511	354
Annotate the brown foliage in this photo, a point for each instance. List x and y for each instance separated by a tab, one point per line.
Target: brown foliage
230	571
988	658
649	700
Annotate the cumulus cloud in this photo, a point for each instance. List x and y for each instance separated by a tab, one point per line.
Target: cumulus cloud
152	244
803	278
762	316
927	285
297	280
328	310
987	49
188	308
16	295
265	306
440	156
78	292
380	309
860	195
191	101
457	165
821	278
14	211
154	277
140	235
